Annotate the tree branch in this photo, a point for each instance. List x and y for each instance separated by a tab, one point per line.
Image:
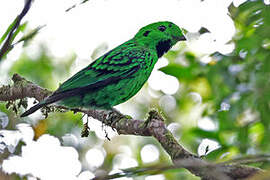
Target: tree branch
7	45
153	126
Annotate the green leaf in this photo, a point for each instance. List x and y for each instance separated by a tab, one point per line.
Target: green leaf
178	71
7	31
21	28
27	37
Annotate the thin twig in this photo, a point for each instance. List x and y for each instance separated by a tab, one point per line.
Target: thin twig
74	5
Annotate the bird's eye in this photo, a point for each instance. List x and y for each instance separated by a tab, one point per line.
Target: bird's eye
170	25
162	28
146	33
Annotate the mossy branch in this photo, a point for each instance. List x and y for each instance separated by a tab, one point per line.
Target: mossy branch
153	126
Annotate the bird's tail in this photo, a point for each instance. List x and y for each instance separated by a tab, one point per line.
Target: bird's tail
34	108
56	96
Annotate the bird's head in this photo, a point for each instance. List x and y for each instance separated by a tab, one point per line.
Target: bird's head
159	36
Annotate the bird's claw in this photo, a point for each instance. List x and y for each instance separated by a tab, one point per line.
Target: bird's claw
110	117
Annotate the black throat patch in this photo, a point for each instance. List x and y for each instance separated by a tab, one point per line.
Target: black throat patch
163	47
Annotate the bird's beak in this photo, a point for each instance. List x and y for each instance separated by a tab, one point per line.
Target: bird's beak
180	38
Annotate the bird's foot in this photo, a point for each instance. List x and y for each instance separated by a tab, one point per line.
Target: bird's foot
112	116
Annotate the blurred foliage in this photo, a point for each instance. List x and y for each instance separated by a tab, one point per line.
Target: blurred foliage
29	36
42	69
239	79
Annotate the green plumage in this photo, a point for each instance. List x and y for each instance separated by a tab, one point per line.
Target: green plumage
119	74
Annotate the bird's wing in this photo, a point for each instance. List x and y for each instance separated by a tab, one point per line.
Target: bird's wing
119	63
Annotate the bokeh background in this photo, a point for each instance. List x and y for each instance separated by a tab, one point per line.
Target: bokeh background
213	89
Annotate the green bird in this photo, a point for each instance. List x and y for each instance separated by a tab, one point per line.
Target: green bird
117	75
